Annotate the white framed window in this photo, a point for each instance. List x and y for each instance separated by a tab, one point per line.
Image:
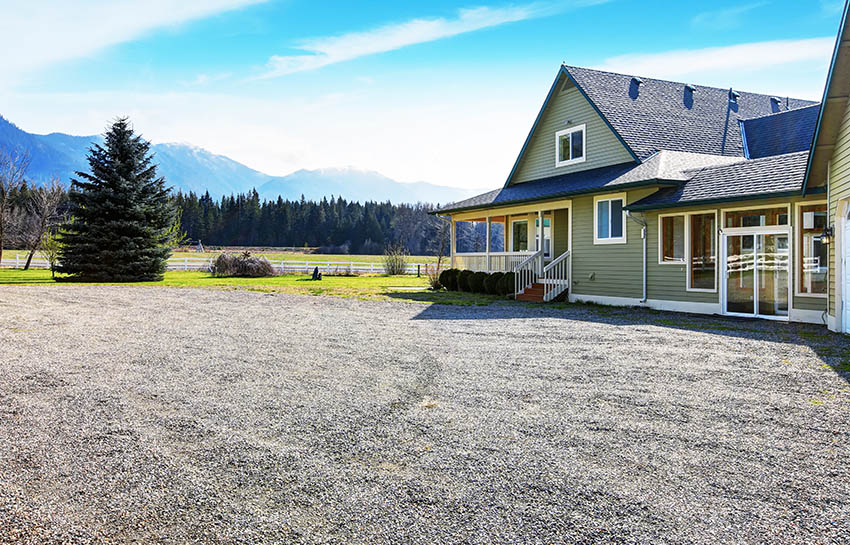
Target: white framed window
570	146
609	219
812	256
701	245
519	235
547	236
671	239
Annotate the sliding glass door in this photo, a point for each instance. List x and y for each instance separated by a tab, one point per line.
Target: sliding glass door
756	279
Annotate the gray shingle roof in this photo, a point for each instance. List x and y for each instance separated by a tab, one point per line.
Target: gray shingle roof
783	132
663	167
779	174
663	115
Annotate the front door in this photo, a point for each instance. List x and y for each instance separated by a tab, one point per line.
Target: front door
756	280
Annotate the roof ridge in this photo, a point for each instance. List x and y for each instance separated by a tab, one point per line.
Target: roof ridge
816	104
648	78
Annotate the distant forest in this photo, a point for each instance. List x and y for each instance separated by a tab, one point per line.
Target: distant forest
334	225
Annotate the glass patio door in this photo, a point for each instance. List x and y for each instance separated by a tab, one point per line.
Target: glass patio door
756	274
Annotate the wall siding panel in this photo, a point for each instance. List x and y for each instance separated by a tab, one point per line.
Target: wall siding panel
603	146
839	188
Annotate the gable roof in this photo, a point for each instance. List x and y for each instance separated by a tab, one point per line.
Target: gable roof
659	114
836	95
776	134
663	168
755	178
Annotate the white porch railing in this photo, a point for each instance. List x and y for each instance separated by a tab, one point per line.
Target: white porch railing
527	272
492	262
556	277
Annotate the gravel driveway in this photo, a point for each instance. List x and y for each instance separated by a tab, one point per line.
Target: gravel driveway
167	415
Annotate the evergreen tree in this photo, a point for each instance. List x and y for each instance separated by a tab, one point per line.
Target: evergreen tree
123	215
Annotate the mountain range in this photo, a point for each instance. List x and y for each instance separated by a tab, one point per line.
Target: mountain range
189	168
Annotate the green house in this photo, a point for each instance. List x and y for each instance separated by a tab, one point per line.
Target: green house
676	196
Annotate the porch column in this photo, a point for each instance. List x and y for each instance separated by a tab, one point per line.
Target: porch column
540	229
453	242
487	245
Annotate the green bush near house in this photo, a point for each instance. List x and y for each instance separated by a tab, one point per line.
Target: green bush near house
476	282
506	284
463	279
449	278
492	282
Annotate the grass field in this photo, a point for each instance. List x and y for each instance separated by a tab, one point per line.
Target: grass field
371	287
286	256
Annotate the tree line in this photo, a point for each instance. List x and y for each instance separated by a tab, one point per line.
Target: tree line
333	225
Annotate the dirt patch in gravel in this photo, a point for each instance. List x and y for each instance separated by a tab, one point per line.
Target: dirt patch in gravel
175	415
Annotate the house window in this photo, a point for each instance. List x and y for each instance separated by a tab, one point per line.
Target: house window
702	259
519	236
757	218
610	220
672	239
814	259
570	146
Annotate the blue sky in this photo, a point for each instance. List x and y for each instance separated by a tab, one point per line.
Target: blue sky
443	92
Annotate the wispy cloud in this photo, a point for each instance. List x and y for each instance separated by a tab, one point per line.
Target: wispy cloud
832	7
328	50
37	34
724	19
206	79
686	62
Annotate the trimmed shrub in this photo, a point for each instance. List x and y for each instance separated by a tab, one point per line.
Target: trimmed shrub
463	279
476	282
242	265
448	279
506	284
491	283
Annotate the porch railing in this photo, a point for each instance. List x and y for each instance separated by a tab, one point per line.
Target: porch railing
527	272
556	277
492	262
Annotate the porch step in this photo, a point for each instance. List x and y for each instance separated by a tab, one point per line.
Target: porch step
533	294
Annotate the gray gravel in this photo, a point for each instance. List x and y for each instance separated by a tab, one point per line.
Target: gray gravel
166	415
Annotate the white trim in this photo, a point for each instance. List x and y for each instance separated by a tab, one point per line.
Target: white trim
606	300
684	259
609	197
806	316
689	261
551	217
842	259
786	206
798	231
684	306
559	134
512	234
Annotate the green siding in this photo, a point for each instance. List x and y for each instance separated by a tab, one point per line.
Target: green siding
616	268
839	188
561	231
603	146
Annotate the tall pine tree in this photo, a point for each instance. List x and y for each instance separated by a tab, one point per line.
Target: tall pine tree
123	217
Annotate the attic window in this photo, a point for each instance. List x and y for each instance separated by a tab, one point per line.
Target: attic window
570	146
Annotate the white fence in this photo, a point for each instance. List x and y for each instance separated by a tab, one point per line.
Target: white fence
282	266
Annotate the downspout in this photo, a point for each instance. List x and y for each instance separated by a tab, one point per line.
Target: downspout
642	223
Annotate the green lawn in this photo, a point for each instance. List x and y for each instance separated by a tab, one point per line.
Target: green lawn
287	256
377	287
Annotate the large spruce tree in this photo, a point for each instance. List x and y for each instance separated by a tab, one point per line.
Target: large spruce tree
122	215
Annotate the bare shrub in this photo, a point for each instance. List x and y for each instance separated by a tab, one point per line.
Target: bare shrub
433	273
242	265
395	260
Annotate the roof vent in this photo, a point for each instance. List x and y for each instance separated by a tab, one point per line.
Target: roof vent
776	100
637	80
733	95
690	88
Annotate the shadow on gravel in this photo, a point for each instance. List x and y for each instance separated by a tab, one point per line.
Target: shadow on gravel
833	349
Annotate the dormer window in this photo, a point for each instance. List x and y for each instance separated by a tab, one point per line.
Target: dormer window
570	146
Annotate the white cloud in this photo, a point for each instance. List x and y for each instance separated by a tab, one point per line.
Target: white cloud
334	49
798	65
206	79
832	7
724	19
36	34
